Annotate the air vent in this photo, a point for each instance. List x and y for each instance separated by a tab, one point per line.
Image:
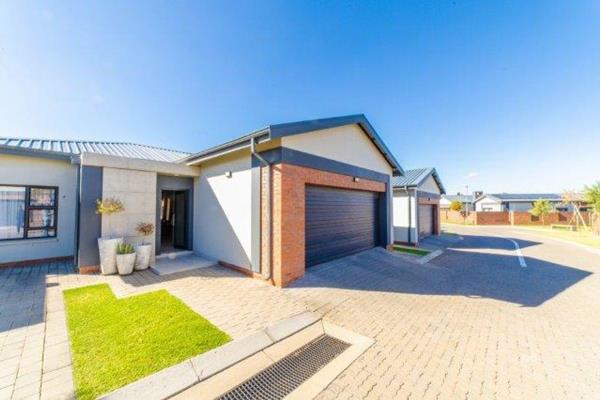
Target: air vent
281	378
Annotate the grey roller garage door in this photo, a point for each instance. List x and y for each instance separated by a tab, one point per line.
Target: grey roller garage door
425	220
339	222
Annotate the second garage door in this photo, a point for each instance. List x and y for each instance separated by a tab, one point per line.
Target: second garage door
339	222
425	220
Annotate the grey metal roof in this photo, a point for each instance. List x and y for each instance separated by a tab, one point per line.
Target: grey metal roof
76	147
505	197
463	198
294	128
414	177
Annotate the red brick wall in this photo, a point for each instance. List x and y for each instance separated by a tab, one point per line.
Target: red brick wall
561	217
491	218
509	218
288	189
456	217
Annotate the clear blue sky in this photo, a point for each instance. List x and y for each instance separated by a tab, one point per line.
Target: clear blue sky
502	96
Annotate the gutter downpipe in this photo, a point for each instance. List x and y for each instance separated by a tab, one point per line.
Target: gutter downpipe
409	214
266	164
77	215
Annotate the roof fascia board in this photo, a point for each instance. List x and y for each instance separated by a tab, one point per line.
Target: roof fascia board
294	128
226	148
431	172
138	164
491	197
18	151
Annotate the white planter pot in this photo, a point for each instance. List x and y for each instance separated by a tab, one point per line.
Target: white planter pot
143	252
108	254
125	263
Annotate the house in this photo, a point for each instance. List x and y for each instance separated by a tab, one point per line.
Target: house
270	203
514	201
465	199
416	205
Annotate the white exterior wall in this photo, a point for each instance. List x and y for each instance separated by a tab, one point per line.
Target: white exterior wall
489	204
347	144
429	186
401	204
22	170
223	210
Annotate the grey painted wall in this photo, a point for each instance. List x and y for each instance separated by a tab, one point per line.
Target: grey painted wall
90	223
165	182
256	199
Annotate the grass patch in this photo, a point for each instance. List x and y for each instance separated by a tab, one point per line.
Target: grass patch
584	236
411	250
117	341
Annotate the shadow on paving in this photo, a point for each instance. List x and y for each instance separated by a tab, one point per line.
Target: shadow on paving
23	293
463	270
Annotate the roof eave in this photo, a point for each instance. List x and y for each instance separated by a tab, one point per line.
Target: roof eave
293	128
226	148
55	155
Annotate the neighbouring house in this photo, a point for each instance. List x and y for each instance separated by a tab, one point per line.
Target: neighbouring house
516	201
416	205
465	199
270	203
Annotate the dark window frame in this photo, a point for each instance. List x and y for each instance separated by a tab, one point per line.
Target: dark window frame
28	207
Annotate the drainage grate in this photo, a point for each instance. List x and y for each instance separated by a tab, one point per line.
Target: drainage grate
281	378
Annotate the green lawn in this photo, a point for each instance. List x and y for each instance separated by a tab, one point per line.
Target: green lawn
582	237
117	341
411	250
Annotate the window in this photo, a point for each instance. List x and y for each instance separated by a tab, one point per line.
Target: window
28	212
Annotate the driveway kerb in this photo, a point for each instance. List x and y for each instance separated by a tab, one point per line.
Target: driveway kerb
173	380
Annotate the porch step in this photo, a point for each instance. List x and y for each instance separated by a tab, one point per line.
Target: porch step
181	263
174	254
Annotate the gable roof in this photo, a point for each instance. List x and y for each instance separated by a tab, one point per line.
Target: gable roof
295	128
415	177
506	197
463	198
74	148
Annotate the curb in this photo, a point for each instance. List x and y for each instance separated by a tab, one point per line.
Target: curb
429	257
173	380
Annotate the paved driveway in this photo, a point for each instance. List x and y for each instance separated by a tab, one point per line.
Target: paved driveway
471	324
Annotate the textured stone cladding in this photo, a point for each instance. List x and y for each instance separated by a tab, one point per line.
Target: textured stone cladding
137	192
288	185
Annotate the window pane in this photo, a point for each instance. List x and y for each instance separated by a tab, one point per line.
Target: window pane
40	233
12	212
41	218
42	197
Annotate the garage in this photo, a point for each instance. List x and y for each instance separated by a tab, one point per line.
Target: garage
425	220
416	205
339	222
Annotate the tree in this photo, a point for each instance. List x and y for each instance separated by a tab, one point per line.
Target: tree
456	205
592	196
573	200
541	208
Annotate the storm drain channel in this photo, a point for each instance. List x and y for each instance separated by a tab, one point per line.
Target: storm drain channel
281	378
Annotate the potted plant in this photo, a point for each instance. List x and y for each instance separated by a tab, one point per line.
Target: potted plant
143	252
107	246
125	258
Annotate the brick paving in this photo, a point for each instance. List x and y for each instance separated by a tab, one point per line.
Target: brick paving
474	325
